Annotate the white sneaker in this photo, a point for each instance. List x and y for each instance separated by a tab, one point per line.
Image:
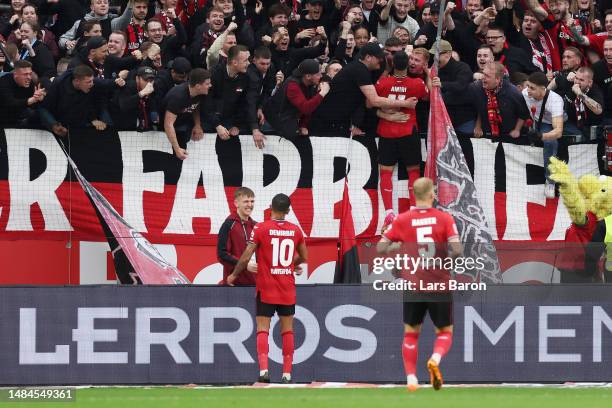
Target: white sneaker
412	383
549	190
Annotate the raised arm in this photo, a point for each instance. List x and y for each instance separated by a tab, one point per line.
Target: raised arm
537	9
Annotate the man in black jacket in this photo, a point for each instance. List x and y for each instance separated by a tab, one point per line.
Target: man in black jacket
182	107
534	41
513	58
19	97
262	81
93	54
205	35
500	107
229	87
73	101
602	72
291	107
278	15
286	58
134	107
117	60
177	72
453	78
170	44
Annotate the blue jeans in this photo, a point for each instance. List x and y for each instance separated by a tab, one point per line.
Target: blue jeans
466	128
550	148
571	129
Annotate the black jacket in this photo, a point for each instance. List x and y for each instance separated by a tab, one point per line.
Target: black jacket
163	83
128	109
113	65
283	115
511	105
430	31
229	96
203	38
456	77
43	63
259	90
68	12
171	46
465	41
71	107
515	60
14	109
287	61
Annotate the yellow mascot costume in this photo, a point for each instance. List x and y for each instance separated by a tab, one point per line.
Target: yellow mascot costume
588	200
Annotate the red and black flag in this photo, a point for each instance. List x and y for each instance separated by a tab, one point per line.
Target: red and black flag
456	192
136	260
347	266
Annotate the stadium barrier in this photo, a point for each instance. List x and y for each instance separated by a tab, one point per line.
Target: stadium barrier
206	335
181	205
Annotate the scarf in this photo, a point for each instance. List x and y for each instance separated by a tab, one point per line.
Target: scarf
135	34
98	69
503	53
166	21
25	53
541	59
581	112
143	115
493	113
208	38
191	6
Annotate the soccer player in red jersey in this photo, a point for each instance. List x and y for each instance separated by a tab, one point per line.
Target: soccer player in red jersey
399	141
279	248
434	234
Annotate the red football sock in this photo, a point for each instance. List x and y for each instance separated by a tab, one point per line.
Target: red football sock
262	349
444	340
288	348
386	188
413	175
410	352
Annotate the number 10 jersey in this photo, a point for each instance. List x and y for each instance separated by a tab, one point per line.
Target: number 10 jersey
277	242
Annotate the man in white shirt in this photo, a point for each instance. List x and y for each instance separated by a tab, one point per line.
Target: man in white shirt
551	125
393	15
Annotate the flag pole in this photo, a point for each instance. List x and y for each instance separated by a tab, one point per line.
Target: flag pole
439	35
434	71
349	152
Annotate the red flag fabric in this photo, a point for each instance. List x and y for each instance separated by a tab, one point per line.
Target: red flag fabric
139	261
347	267
456	192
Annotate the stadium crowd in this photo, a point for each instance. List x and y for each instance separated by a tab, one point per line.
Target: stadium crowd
315	67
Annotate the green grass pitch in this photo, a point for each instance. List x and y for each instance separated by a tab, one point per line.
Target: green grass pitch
468	397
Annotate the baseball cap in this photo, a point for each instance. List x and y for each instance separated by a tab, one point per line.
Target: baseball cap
146	73
313	2
95	42
434	8
307	67
372	48
181	65
445	46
